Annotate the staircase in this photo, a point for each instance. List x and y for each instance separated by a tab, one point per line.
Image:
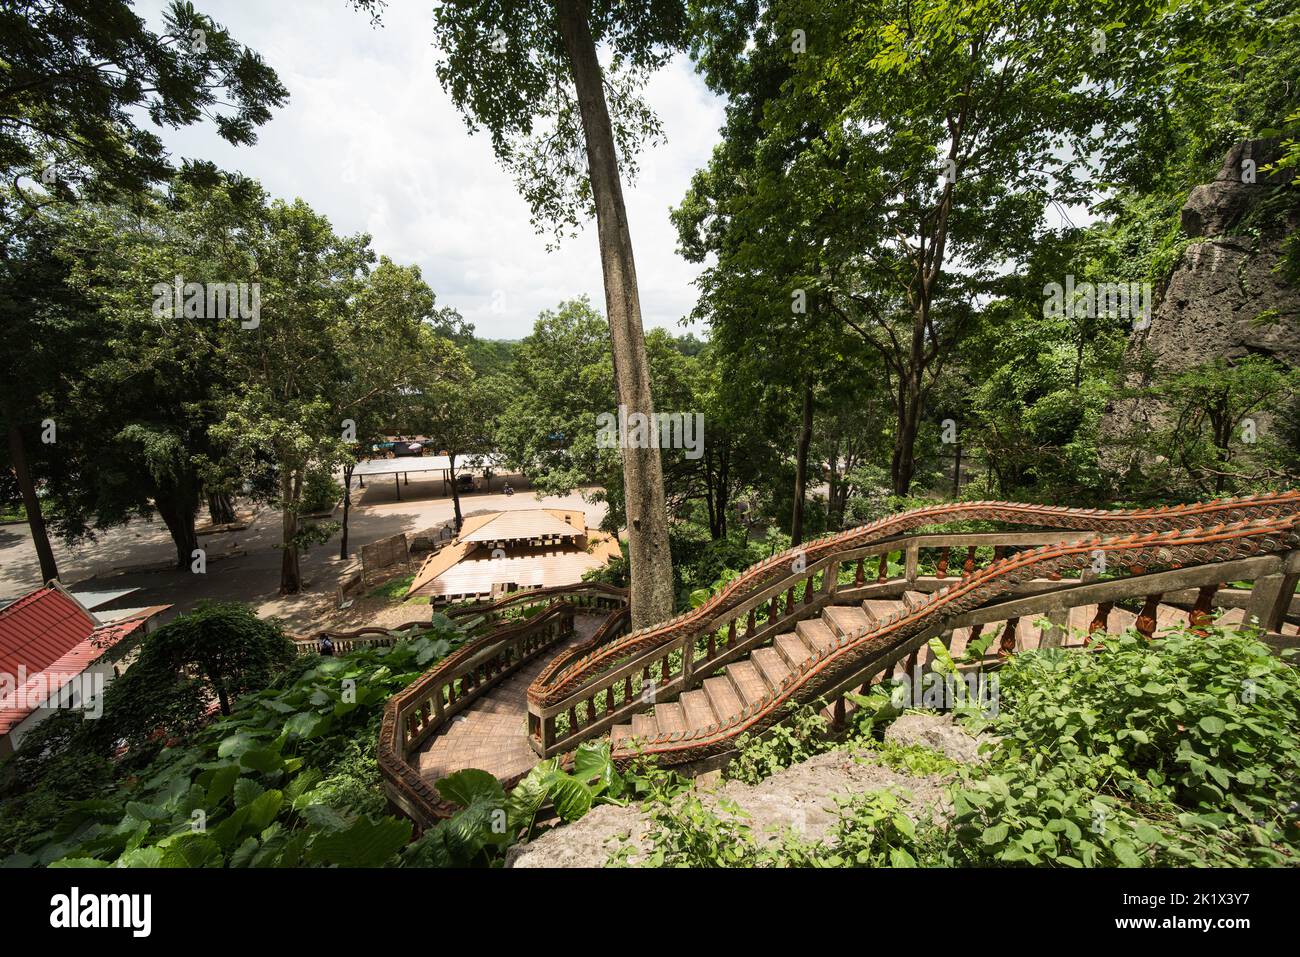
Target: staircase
815	624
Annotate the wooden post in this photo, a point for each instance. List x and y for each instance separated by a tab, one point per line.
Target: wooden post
912	560
1053	636
882	574
968	566
941	570
1008	643
1269	601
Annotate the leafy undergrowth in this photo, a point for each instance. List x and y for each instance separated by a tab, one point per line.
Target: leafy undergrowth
289	779
1182	751
489	820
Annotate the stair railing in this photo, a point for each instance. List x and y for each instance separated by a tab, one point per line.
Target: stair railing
605	687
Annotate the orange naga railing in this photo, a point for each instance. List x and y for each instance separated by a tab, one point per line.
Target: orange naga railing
586	695
1266	550
427	705
586	595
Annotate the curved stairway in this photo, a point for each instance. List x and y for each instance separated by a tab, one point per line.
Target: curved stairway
812	624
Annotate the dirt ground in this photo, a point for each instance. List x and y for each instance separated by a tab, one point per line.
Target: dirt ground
244	564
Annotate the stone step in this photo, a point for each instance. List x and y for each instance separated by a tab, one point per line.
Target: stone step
882	609
644	726
747	681
792	649
722	696
670	717
619	735
815	633
845	620
699	713
770	666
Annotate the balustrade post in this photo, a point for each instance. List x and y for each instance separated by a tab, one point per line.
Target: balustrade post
859	573
911	562
941	569
1100	621
1202	612
1008	644
1146	619
968	566
882	574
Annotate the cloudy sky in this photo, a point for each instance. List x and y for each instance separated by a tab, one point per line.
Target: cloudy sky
369	139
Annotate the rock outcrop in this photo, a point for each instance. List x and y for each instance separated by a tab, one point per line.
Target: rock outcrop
802	798
1221	285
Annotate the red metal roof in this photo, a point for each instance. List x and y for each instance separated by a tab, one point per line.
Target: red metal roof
40	628
50	619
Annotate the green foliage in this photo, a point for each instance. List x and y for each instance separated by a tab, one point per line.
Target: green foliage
288	779
216	653
320	492
1180	751
488	821
802	735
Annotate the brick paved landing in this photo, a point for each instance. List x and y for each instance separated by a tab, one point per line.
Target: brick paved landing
492	734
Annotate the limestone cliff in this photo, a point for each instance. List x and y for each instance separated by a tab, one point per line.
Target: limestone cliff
1225	279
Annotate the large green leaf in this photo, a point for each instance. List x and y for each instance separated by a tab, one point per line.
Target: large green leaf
464	787
363	844
572	798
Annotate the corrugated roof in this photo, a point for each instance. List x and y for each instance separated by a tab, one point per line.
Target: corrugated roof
525	524
43	683
92	599
41	627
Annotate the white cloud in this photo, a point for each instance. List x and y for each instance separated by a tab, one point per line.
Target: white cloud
370	140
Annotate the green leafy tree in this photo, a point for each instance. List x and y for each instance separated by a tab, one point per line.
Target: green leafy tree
76	80
216	653
530	73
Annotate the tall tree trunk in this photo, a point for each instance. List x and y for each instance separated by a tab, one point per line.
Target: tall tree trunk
221	510
708	493
909	420
801	466
347	504
290	570
177	511
455	490
643	481
722	497
32	504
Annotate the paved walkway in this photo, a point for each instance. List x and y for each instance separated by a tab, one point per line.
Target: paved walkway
245	565
492	735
